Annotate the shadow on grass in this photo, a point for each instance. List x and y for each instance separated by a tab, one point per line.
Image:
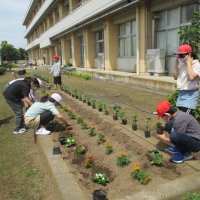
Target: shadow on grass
5	120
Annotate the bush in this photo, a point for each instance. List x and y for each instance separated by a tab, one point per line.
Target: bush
2	70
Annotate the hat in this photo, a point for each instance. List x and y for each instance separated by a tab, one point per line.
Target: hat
37	82
184	48
56	97
56	57
163	107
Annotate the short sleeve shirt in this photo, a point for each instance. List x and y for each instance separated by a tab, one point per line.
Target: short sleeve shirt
17	91
183	82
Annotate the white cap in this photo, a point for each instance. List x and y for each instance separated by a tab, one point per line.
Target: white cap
56	97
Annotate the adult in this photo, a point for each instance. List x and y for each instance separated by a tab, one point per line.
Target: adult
56	71
187	72
42	112
16	93
185	135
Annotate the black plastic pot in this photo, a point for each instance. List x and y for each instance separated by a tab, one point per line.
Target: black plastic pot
159	131
124	121
56	150
84	101
115	117
106	112
134	127
21	72
100	109
88	103
99	195
93	106
62	140
147	134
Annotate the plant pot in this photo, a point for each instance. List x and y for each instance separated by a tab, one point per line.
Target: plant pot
94	106
124	121
100	109
134	127
99	195
76	97
62	140
159	131
21	72
147	134
88	103
106	112
115	117
84	101
56	150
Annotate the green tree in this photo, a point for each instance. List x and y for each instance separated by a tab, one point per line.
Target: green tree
191	34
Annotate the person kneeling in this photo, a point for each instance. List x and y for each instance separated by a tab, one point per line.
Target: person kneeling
184	135
42	112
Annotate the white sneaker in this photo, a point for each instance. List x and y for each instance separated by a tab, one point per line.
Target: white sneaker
42	131
22	130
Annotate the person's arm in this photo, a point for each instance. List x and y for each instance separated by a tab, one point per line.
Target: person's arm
62	118
192	75
176	71
163	138
51	71
27	100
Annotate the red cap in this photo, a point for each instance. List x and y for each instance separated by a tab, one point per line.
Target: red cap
163	107
184	48
56	57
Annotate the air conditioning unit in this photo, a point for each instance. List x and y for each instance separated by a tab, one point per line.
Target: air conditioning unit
155	61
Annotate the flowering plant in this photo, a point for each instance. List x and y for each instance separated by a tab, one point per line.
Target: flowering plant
101	178
70	141
142	176
101	138
89	162
155	157
91	130
80	150
109	148
123	159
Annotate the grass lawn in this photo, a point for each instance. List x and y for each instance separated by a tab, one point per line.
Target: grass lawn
22	173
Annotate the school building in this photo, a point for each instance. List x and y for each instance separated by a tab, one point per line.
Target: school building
138	36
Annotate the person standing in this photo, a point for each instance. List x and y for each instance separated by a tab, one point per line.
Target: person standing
42	112
56	71
187	73
16	94
185	135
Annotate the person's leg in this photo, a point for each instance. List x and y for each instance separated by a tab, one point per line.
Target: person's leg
19	116
184	143
59	82
55	82
46	117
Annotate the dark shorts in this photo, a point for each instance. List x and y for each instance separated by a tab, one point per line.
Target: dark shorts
57	80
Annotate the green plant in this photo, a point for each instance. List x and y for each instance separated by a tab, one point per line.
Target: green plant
155	157
140	175
191	196
134	119
84	126
172	97
123	160
116	109
191	34
147	120
101	178
2	70
109	148
89	162
80	150
159	128
101	138
79	120
72	115
91	130
122	116
101	105
70	141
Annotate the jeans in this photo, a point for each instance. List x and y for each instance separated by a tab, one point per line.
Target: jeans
46	117
19	116
184	143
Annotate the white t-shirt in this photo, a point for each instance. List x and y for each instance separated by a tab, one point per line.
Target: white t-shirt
183	82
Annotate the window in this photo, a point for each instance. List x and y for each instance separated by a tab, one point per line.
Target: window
127	39
168	25
99	39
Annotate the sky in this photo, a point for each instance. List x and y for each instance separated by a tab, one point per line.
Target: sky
12	14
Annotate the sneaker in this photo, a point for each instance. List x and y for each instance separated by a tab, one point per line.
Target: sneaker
42	131
179	157
20	131
172	150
